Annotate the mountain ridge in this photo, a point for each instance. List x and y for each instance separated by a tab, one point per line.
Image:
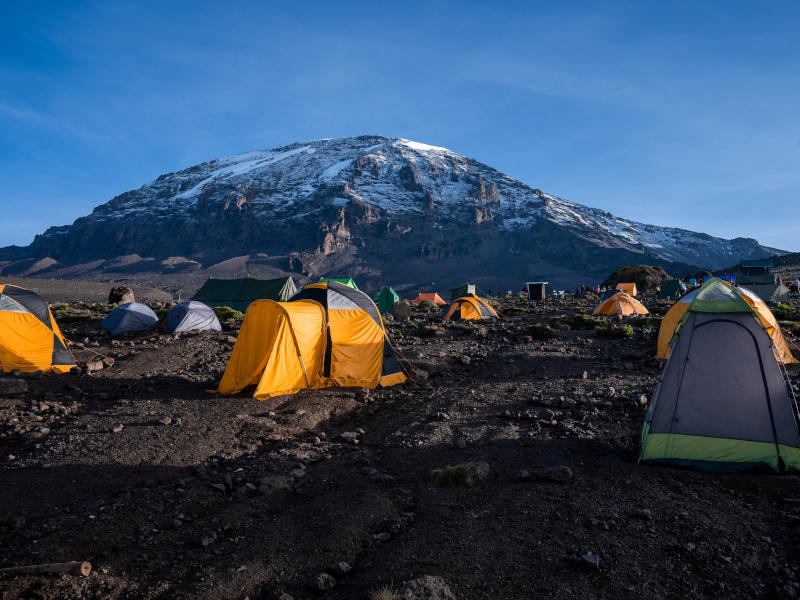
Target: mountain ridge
371	206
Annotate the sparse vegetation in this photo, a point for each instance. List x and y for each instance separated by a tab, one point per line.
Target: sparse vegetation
225	313
384	593
464	474
614	331
540	331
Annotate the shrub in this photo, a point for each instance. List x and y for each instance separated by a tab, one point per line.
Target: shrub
614	331
540	331
464	474
225	313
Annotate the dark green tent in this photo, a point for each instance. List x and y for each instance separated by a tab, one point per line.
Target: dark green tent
670	288
461	291
385	300
239	293
344	280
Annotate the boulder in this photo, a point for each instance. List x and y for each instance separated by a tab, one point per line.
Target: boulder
647	278
121	294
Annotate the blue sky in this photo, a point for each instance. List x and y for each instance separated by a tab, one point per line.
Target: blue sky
673	113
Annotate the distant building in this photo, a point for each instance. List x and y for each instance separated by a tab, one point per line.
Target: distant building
756	271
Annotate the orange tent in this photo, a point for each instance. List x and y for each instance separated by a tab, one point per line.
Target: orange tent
470	308
621	305
326	335
628	288
30	339
434	297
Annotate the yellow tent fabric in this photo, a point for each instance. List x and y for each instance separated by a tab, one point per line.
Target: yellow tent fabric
628	288
674	315
324	336
621	305
470	308
30	339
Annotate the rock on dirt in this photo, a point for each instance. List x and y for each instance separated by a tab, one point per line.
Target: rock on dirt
10	386
427	587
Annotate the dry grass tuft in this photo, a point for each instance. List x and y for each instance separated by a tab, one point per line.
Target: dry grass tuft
383	593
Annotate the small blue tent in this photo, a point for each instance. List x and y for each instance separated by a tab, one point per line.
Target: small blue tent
190	316
132	316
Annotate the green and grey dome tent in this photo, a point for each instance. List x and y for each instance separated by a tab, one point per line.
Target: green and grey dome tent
722	402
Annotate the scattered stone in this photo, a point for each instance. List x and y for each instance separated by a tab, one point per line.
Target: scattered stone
270	483
219	486
427	587
349	436
642	513
94	365
323	582
340	568
117	428
689	547
208	538
12	385
165	421
381	537
641	399
521	475
560	473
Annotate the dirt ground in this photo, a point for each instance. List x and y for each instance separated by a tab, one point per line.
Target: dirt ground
174	492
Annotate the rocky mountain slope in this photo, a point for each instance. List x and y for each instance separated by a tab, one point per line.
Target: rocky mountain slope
380	209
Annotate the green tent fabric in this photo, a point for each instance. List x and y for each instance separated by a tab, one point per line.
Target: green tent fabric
344	280
670	288
385	300
461	291
722	402
239	293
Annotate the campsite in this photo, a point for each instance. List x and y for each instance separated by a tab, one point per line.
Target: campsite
506	465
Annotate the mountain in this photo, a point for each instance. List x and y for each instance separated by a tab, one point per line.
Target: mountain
384	210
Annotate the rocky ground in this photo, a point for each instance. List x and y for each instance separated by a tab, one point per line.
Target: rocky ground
174	492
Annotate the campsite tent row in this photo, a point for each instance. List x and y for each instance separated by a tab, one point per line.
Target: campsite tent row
135	316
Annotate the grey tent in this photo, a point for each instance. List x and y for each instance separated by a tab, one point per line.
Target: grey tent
722	402
133	316
190	316
239	293
770	292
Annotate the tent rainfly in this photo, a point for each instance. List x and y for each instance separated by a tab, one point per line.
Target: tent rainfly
190	316
722	402
348	281
30	339
239	293
673	317
131	316
428	297
620	305
385	300
628	288
327	335
470	308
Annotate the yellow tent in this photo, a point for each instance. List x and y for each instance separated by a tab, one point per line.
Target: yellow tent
470	308
326	335
621	305
628	288
768	321
30	339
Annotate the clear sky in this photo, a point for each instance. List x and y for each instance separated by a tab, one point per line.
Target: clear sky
672	113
